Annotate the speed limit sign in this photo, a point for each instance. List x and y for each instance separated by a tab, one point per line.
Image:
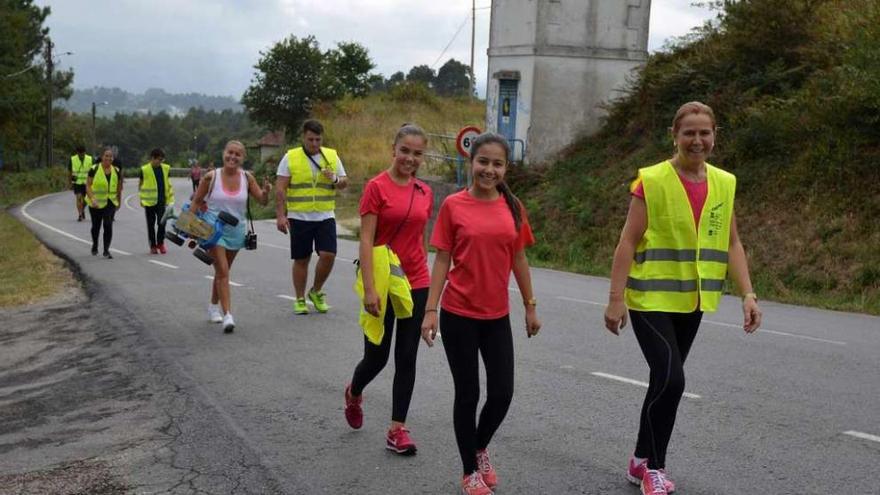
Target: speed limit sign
465	138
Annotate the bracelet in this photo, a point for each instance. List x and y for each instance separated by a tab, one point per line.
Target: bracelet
430	310
750	294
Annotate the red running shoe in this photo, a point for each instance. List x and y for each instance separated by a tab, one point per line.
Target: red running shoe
636	472
398	441
484	466
162	248
473	484
154	250
653	483
353	412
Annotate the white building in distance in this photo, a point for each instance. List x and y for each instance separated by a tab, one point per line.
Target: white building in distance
552	63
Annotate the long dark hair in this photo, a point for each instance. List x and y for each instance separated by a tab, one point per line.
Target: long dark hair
512	201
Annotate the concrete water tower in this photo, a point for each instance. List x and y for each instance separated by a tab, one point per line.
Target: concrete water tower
552	63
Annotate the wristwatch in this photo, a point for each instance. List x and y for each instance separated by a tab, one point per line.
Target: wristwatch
531	302
750	294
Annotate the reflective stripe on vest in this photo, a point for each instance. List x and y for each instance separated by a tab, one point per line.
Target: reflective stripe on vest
81	168
308	192
149	192
677	268
102	190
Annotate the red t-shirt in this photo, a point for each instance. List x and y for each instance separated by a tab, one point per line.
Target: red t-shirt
390	201
696	193
482	239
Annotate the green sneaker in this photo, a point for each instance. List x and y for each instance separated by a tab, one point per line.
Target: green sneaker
300	307
317	299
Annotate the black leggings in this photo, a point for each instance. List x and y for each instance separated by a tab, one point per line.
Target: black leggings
463	339
409	330
665	339
155	229
102	215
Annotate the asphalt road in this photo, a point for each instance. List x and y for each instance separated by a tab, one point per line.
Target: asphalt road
794	408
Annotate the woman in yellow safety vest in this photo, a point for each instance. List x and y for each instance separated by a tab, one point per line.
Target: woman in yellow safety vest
669	267
104	190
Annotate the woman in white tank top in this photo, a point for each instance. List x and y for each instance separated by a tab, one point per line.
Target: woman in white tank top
227	189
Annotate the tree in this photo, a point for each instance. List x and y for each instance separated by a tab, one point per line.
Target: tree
421	73
395	79
286	85
453	79
294	75
349	67
23	80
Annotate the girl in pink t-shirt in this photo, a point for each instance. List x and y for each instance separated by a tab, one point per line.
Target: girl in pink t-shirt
394	209
481	234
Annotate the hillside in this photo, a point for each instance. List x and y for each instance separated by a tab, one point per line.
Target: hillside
110	101
796	88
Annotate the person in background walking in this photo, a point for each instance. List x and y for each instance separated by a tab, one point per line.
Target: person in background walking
394	209
104	191
80	165
227	189
305	200
156	193
195	174
482	232
669	267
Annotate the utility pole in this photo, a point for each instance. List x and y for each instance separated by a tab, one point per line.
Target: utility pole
473	33
49	70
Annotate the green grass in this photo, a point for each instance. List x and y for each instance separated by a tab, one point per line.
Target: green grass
28	271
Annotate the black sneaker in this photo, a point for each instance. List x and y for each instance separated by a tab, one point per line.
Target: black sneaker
108	255
94	251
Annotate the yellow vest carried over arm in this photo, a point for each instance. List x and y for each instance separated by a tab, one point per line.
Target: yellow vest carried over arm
391	283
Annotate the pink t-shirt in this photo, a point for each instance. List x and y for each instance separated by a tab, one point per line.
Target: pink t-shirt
696	194
482	239
390	201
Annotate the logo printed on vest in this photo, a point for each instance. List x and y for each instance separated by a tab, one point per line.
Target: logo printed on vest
716	222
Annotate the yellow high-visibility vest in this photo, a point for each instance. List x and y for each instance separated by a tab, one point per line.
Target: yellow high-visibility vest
309	192
149	192
81	168
678	268
391	284
103	190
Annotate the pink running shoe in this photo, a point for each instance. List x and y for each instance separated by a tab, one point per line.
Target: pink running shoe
484	466
353	412
398	441
636	472
473	484
653	483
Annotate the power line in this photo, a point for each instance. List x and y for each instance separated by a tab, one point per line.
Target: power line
466	18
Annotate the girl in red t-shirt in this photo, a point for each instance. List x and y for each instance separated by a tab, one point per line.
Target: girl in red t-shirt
394	209
482	233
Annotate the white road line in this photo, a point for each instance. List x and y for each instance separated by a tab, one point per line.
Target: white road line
636	382
344	259
27	215
126	201
166	265
289	298
583	301
863	436
234	284
776	332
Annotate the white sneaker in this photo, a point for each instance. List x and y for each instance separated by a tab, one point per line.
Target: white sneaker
228	323
214	313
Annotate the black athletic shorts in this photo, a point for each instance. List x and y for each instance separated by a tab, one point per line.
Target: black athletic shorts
79	189
306	237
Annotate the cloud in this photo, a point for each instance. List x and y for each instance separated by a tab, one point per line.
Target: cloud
210	46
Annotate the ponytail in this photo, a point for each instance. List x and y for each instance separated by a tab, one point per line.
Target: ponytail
512	203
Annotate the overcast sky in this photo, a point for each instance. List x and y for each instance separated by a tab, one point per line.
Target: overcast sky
211	46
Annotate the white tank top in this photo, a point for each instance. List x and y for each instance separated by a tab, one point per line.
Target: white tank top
235	203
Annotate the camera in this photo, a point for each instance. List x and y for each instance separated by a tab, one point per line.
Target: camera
250	241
